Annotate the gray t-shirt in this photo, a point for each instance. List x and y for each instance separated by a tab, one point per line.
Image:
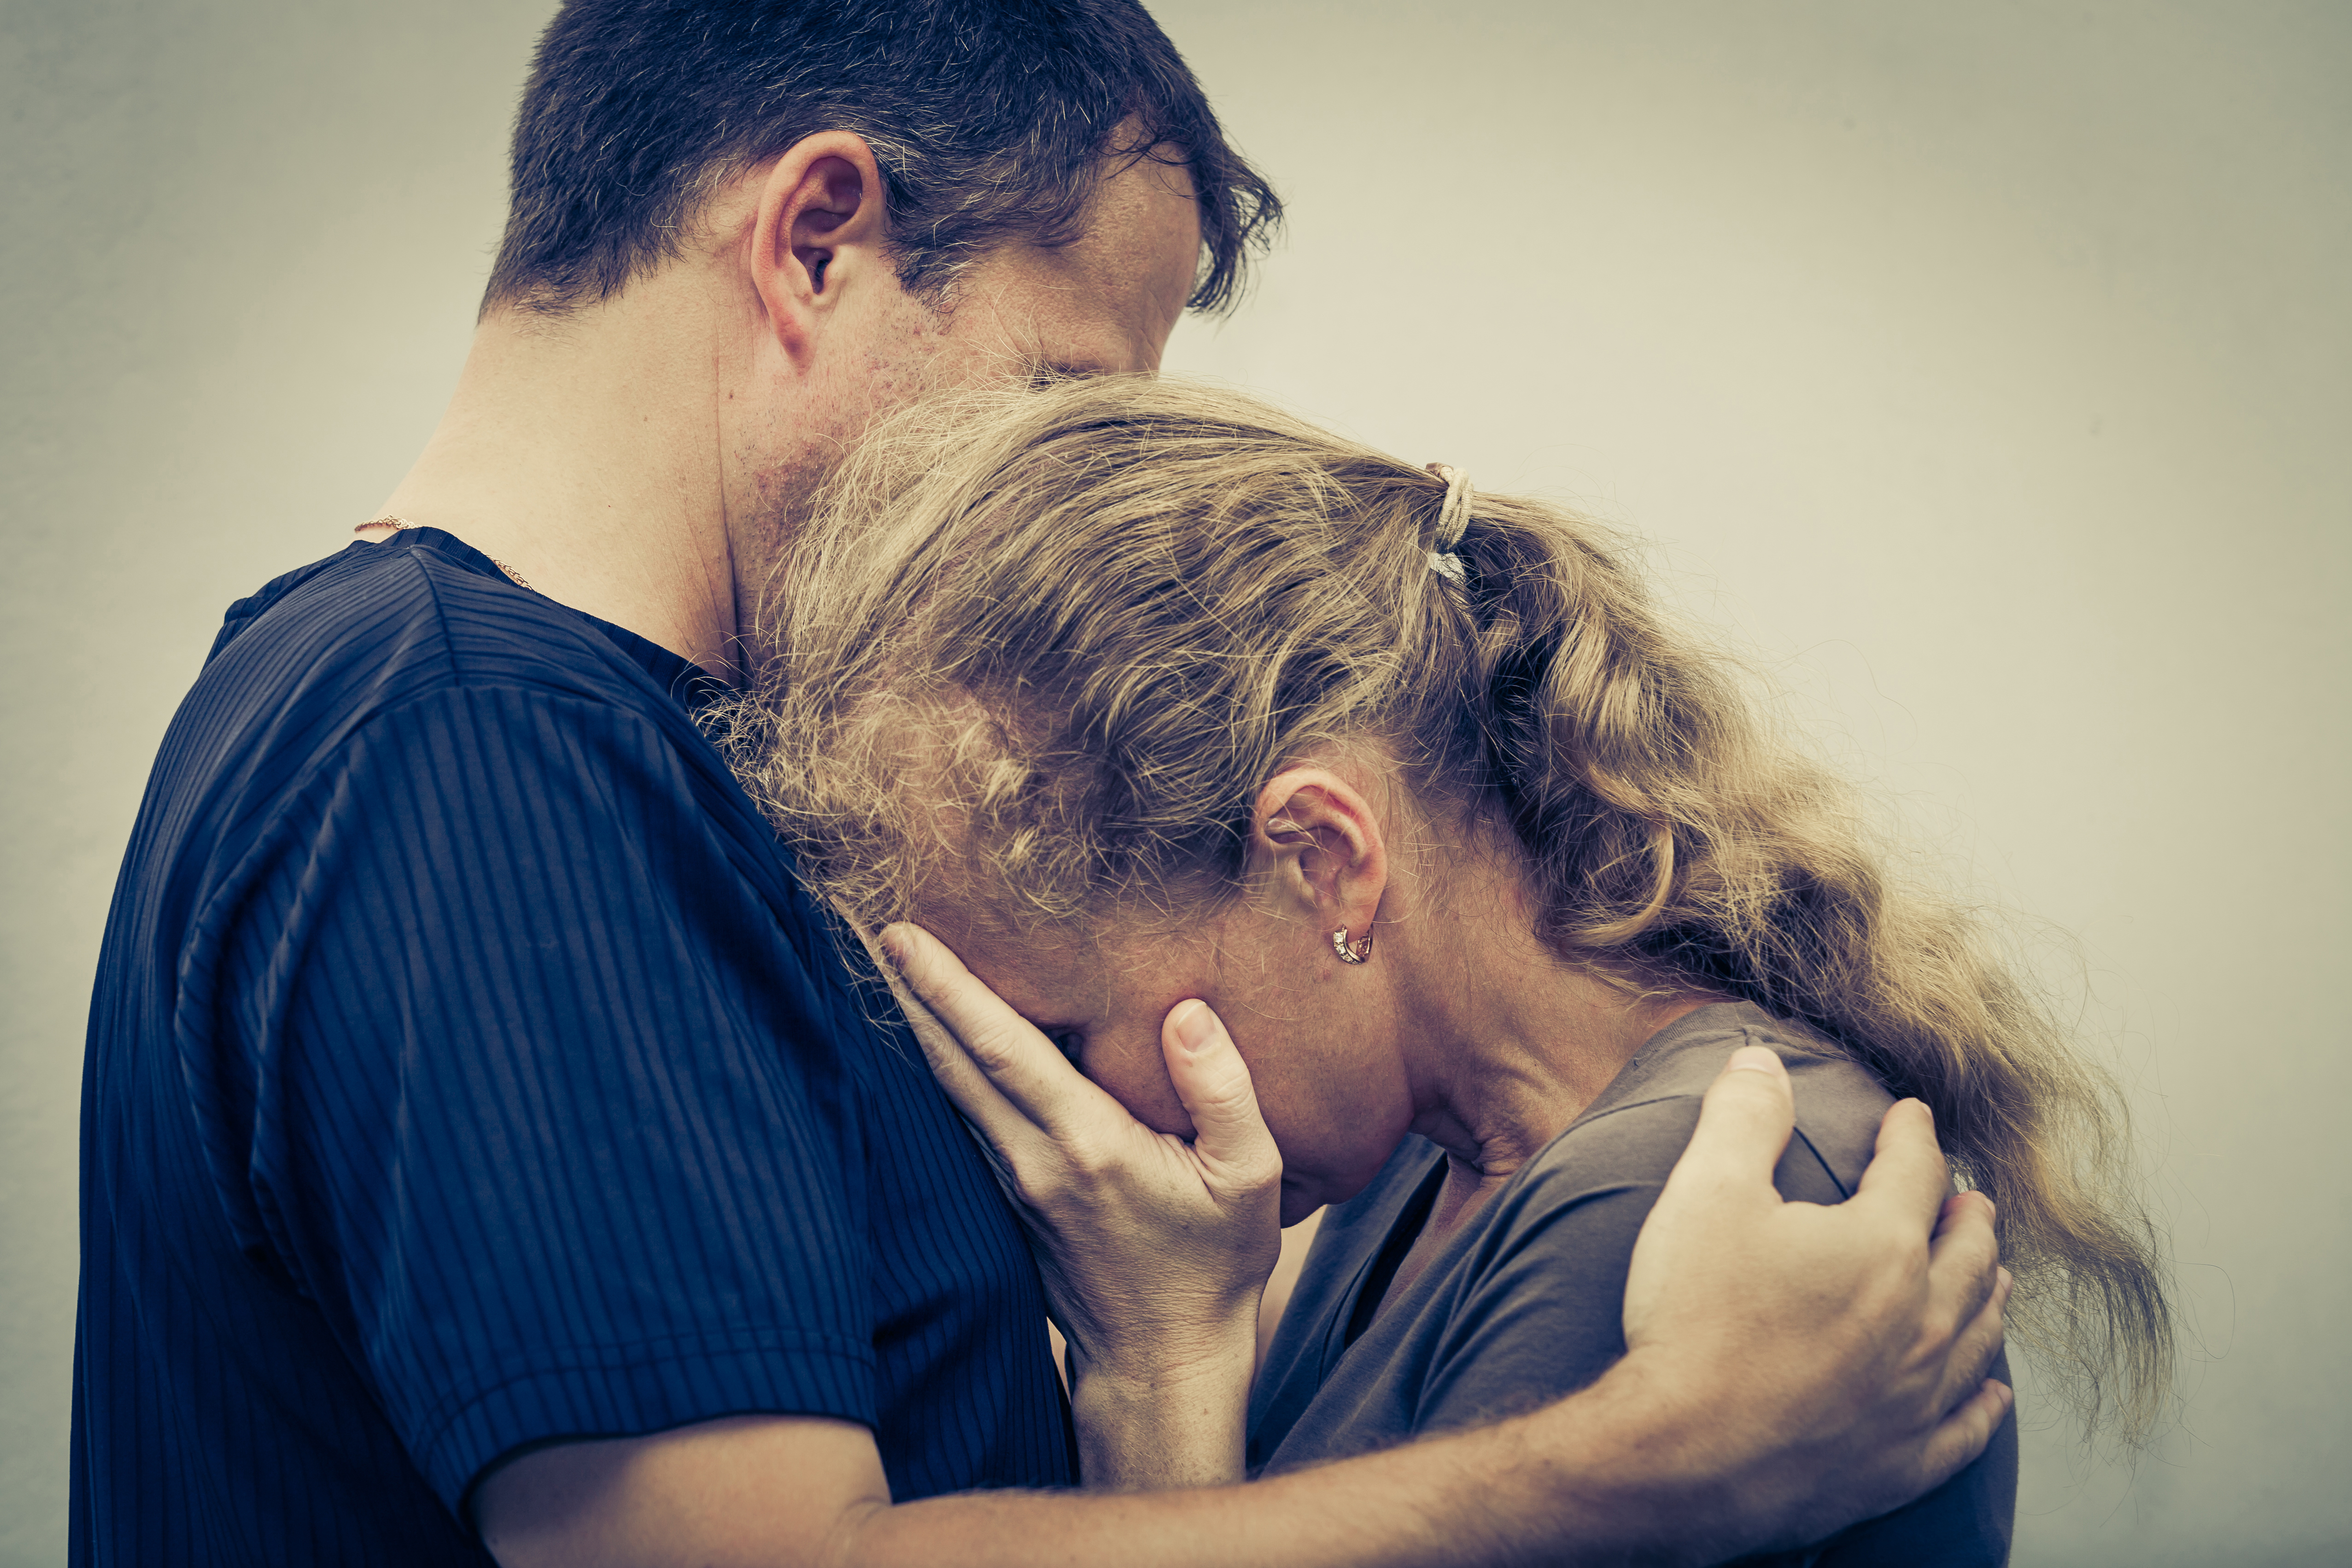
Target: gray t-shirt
1524	1303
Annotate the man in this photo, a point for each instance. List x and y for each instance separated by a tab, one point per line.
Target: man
485	1154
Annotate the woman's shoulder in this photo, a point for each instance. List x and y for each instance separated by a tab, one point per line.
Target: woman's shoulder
1634	1130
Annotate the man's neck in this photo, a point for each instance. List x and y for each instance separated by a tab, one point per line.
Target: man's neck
587	455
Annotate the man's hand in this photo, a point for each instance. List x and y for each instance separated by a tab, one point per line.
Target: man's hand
1836	1355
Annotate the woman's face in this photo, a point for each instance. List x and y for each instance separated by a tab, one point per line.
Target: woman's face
1320	1039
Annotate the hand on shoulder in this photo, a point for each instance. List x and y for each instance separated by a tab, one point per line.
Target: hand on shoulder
1829	1361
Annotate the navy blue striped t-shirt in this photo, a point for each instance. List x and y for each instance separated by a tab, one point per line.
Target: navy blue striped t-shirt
466	1071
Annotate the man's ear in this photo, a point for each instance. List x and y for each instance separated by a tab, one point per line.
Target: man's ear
819	230
1319	842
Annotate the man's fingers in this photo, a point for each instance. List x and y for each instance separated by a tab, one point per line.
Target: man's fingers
1213	1082
1743	1125
1907	1170
1021	1063
1964	1432
1724	1175
1977	1342
1964	1257
1962	1212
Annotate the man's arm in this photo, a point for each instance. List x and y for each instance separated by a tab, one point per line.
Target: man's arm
1791	1369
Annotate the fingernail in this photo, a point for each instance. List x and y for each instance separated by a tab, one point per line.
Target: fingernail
1754	1058
891	940
2006	1278
1195	1026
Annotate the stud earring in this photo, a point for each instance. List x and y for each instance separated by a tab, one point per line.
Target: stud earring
1351	953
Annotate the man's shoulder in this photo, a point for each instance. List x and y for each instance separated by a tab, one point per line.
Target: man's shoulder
415	669
376	626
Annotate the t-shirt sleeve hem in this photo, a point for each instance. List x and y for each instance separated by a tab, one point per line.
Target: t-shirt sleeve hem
652	1389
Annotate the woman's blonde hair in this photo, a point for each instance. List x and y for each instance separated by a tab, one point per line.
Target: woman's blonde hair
1098	616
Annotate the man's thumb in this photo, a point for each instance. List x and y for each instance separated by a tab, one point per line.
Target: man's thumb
1213	1082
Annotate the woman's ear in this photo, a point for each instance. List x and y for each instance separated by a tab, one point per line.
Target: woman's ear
819	230
1318	843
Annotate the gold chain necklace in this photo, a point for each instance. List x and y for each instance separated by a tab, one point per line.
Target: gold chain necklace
404	522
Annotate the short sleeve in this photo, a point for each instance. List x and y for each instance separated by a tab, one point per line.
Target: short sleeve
1542	1306
545	1109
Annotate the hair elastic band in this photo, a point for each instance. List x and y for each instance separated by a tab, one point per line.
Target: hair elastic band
1452	523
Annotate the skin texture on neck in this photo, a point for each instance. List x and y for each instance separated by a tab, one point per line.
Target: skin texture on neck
1507	1044
586	452
643	457
1500	1042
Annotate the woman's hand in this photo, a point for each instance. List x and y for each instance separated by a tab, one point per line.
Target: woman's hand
1154	1249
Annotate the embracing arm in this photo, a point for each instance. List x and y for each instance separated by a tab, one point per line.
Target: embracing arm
1651	1464
1790	1369
1636	1468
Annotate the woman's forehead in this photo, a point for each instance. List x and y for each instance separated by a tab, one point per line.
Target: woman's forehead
1071	974
1039	972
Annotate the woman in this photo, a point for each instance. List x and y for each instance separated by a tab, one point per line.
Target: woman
1135	694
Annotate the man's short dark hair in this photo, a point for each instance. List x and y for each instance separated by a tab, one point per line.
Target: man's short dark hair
992	121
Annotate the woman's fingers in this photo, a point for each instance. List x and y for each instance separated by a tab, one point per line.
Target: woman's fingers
1001	1123
1228	1132
1019	1063
1001	1127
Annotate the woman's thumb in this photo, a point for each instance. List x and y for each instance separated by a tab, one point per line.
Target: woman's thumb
1213	1082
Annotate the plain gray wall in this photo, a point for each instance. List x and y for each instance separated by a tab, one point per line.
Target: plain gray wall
1983	367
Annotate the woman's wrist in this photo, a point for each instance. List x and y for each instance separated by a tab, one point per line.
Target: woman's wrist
1176	1418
